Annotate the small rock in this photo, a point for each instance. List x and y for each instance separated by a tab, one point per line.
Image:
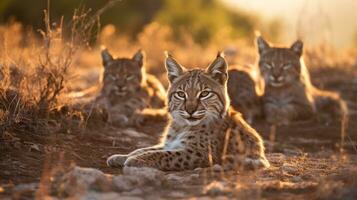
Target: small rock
182	179
123	183
276	157
286	168
215	189
174	178
297	179
144	173
293	152
82	180
198	169
35	147
177	194
194	176
134	192
86	175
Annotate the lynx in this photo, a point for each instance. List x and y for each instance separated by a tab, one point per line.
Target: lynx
244	90
203	129
127	89
289	94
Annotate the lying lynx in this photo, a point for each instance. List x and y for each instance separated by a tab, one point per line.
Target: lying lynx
203	129
289	94
128	90
244	91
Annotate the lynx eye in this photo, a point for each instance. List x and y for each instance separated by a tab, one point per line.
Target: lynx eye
129	78
287	66
204	94
180	95
268	66
111	77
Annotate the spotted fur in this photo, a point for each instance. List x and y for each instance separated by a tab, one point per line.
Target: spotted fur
127	89
244	90
203	129
289	94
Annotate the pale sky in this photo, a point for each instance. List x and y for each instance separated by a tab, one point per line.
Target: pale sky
316	20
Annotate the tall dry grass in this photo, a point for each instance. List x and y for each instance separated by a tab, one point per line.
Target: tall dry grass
35	71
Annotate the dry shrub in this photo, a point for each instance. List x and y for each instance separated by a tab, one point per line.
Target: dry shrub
35	70
329	65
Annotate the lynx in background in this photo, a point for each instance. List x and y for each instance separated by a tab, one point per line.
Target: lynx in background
244	91
127	89
203	130
289	94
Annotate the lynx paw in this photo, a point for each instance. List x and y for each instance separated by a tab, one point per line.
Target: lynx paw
137	162
254	164
116	160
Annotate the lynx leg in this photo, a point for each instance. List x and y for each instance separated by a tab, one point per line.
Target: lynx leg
118	160
142	150
167	160
245	151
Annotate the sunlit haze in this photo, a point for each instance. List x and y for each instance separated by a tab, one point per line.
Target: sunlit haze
316	21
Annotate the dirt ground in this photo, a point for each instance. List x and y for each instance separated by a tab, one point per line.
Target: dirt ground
306	162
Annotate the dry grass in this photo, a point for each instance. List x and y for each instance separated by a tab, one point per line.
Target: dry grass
35	72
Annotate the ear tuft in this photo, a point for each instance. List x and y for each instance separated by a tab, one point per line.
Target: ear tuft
220	54
297	47
167	54
262	44
218	69
173	68
139	57
107	58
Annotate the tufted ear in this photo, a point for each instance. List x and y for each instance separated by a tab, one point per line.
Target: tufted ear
297	47
262	44
218	69
173	68
107	58
139	57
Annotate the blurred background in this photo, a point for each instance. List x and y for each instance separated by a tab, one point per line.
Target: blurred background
192	30
319	21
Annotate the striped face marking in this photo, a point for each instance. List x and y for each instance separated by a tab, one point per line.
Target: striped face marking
196	95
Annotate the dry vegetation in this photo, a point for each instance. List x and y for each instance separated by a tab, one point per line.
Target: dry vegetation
41	132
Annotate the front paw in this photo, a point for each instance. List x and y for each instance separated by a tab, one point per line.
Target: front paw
116	160
255	164
137	162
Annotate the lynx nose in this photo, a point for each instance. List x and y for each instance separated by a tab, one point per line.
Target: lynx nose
276	77
191	107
